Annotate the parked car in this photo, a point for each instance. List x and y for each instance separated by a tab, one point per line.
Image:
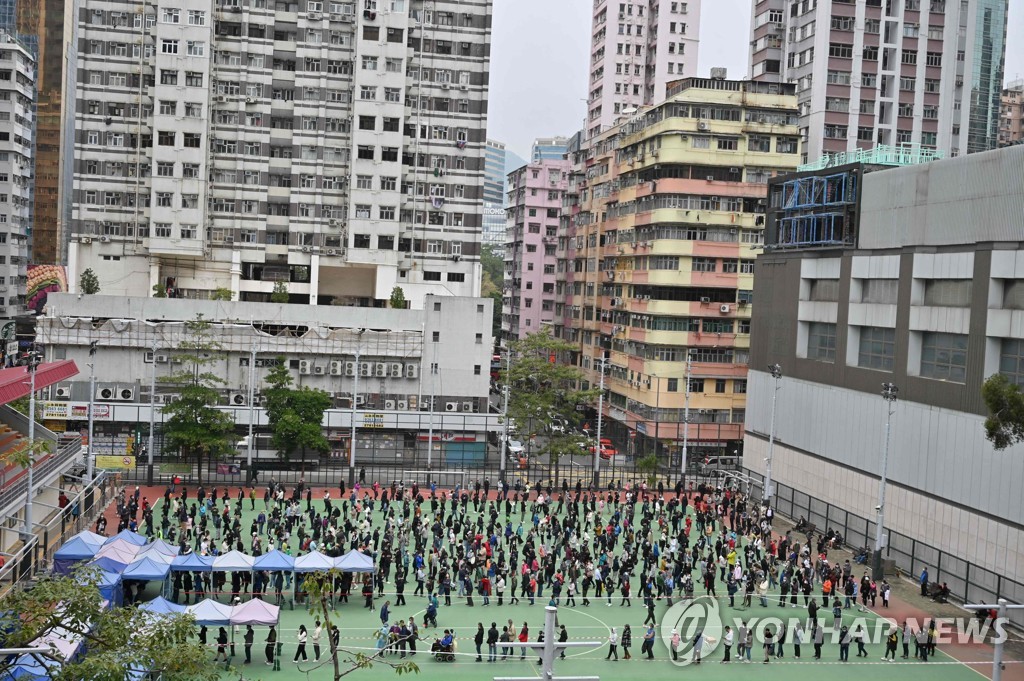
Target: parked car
607	451
515	449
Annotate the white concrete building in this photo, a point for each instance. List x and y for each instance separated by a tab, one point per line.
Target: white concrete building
337	147
637	48
376	360
17	114
907	72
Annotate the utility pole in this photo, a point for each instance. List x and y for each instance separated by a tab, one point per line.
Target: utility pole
686	421
430	427
602	363
889	392
352	440
152	418
33	363
504	433
90	452
776	372
252	411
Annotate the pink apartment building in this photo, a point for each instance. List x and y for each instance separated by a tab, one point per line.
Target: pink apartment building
534	208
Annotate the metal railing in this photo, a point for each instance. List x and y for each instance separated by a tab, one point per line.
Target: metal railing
63	449
968	582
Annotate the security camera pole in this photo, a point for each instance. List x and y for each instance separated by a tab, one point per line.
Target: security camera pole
889	392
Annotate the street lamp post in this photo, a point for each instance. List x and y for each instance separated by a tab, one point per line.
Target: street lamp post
430	429
776	372
352	439
33	363
251	396
89	470
686	423
889	392
602	363
152	418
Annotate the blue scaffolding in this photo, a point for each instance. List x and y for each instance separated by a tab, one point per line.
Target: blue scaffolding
817	229
816	210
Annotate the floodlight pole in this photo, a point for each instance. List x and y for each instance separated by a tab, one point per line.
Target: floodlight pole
152	418
889	392
33	364
776	372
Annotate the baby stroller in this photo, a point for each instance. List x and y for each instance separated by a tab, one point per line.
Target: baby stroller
441	651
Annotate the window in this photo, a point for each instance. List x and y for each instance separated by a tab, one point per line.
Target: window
944	356
908	84
821	342
168	108
934	59
392	94
170	16
386	212
880	291
196	17
195	48
165	138
703	264
388	184
364	152
458	277
719	385
841	50
190	170
877	348
194	78
193	140
369	63
787	145
162	230
363	211
165	199
364	181
824	290
947	292
1011	360
168	77
909	57
164	169
168	46
368	92
727	144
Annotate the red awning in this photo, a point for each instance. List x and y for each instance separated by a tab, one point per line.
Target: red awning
14	382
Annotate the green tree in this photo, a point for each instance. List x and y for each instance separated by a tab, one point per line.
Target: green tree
1005	423
648	465
117	640
280	294
320	587
493	264
295	415
397	300
159	291
89	283
194	427
496	314
544	389
221	293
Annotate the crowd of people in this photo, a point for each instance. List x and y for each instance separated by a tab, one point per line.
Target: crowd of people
573	546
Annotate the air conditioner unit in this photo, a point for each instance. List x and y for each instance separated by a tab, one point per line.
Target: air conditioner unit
319	370
389	404
463	86
347	18
710	178
160	399
397	370
305	367
412	370
331	251
105	239
220	99
350	368
62	392
105	393
125	393
380	370
360	400
724	308
336	368
238	399
305	249
705	300
85	240
313	16
702	125
451	406
250	100
365	369
402	405
467	407
734	170
160	359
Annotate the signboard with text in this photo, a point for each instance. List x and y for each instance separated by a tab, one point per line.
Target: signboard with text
115	462
373	421
76	412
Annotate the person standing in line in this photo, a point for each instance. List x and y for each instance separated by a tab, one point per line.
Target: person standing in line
222	644
741	642
885	589
922	644
858	637
627	642
780	641
271	642
300	650
844	644
250	636
891	639
478	639
563	637
317	633
819	640
492	642
648	645
727	639
906	635
924	581
673	644
798	638
769	645
613	645
414	636
749	645
698	641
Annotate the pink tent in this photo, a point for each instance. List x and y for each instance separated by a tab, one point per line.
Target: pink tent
255	611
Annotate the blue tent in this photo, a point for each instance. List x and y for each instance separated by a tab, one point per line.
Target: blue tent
192	562
110	588
129	536
354	561
274	561
161	547
30	668
314	561
109	564
146	570
162	606
74	551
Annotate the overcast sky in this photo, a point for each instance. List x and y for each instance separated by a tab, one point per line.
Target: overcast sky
540	53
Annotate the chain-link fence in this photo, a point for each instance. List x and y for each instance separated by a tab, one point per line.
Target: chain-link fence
967	581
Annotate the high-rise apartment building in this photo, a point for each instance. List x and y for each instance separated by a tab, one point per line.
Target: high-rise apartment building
548	149
889	72
1011	114
335	147
17	127
534	208
637	48
663	217
48	28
